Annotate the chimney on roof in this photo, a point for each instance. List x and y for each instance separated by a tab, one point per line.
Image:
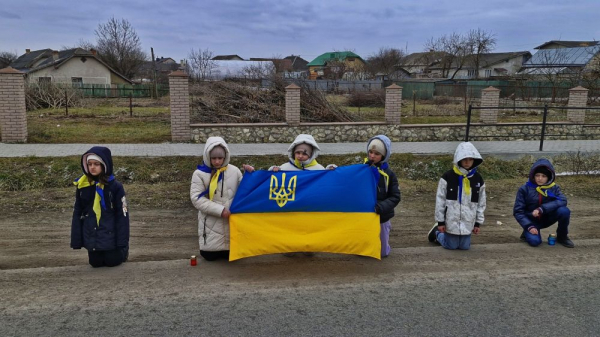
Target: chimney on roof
55	55
93	51
27	51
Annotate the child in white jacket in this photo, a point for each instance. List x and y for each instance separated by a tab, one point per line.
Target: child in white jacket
213	187
460	201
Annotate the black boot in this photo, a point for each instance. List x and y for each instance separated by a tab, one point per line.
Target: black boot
565	241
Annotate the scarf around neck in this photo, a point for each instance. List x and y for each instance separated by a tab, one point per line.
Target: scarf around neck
301	166
99	202
464	183
381	171
543	189
216	177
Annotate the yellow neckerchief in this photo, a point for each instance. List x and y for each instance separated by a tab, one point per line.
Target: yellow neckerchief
214	181
541	189
465	180
83	182
385	175
302	167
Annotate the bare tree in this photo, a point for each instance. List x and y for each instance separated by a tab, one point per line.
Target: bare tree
384	61
6	58
479	42
455	51
259	70
119	46
83	44
200	64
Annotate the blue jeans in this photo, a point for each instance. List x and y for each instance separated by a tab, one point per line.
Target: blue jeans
562	215
451	241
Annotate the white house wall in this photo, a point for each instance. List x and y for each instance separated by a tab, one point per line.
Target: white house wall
91	71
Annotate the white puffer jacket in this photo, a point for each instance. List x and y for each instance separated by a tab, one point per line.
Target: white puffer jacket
213	230
460	213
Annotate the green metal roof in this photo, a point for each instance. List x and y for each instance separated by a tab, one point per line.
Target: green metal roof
334	55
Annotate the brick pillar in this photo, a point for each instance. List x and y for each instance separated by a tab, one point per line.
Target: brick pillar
179	92
393	104
13	113
578	97
292	104
490	97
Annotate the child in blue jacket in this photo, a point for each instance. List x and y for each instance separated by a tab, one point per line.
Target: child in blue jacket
540	204
100	217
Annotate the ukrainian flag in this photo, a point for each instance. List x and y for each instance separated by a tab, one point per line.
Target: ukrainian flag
306	211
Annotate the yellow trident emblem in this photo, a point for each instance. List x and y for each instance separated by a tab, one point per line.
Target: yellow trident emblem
280	194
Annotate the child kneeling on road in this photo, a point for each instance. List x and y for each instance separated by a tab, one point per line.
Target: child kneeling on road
100	217
213	187
540	203
460	201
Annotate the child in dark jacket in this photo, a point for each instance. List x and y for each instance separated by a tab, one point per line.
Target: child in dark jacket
379	150
540	203
100	217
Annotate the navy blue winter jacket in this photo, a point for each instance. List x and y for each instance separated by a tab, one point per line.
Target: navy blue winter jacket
528	198
113	230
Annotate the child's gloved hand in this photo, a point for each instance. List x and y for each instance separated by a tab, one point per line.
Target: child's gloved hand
248	168
533	230
476	230
442	229
275	168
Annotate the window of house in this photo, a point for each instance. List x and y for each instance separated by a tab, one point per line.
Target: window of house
44	80
77	81
471	73
350	59
488	73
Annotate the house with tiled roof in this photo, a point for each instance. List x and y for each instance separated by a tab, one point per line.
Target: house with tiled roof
557	44
77	66
227	58
491	65
335	65
563	61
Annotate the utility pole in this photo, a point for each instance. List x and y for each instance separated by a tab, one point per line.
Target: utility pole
154	88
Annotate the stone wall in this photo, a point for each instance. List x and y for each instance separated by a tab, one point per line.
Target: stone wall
360	132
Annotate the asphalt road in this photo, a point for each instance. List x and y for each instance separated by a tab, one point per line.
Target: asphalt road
491	290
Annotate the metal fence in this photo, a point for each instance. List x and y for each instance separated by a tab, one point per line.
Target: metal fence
122	90
592	118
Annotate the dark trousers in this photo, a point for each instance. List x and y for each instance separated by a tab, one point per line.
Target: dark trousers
562	215
211	256
108	258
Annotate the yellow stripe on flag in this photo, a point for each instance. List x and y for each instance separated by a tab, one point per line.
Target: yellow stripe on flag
254	234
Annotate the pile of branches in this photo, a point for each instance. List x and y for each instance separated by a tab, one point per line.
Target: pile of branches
239	102
52	95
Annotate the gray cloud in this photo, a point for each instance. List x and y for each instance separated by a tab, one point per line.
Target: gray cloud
263	28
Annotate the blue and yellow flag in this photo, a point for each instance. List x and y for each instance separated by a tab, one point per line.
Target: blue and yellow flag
306	211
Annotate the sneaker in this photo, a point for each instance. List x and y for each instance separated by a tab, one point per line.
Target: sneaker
432	235
565	241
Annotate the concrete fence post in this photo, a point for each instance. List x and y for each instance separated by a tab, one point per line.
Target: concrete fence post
13	112
179	93
292	105
490	97
393	104
578	97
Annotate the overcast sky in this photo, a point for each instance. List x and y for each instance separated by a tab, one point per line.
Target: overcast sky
267	28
